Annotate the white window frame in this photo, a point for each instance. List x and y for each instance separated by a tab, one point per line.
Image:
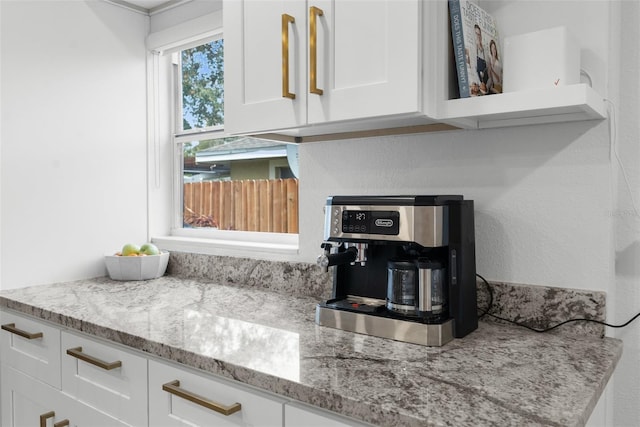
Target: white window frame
265	245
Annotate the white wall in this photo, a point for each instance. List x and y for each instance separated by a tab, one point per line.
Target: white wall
73	138
624	292
534	190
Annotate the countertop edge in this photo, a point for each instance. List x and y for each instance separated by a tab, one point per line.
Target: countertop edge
603	383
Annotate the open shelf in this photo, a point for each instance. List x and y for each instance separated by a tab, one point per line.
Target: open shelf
559	104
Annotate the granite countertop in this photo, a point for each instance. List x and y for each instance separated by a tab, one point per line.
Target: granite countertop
497	375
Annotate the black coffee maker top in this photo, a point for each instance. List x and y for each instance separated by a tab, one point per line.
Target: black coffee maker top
393	200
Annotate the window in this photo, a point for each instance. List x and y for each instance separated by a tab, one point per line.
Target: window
202	86
226	183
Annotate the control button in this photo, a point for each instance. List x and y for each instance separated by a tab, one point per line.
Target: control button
363	229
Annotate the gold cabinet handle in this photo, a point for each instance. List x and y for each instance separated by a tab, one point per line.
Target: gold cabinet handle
11	327
286	19
174	388
314	12
78	354
44	417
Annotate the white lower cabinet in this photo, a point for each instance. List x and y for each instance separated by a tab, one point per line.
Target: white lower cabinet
27	402
181	397
31	346
106	377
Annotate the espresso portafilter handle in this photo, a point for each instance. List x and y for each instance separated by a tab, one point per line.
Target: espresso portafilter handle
327	259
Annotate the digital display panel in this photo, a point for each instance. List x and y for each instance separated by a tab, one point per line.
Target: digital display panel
371	222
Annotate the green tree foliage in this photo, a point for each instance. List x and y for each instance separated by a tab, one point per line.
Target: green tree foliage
203	85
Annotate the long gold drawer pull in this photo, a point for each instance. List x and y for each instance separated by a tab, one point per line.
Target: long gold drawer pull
11	327
44	417
174	388
314	12
63	423
78	354
286	19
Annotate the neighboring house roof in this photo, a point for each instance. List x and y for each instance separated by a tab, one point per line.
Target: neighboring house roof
241	149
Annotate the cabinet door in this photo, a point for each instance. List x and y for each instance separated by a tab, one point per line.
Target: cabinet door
23	399
105	377
31	347
255	73
28	402
179	397
368	59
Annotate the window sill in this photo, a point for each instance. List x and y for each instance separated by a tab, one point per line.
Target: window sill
269	246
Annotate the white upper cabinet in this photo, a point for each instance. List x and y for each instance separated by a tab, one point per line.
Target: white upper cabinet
265	51
366	61
293	64
317	68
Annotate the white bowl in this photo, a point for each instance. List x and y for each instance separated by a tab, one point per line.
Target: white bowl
136	267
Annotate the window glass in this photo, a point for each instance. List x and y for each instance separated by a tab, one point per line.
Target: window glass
239	183
202	70
228	183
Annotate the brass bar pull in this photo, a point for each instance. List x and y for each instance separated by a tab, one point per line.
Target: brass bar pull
63	423
11	327
314	12
286	19
78	354
174	388
44	417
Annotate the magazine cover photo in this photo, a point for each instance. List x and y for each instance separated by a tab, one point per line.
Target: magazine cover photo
476	49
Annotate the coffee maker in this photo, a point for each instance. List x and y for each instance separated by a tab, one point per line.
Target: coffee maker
403	267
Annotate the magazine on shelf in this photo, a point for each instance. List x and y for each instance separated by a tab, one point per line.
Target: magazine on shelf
476	49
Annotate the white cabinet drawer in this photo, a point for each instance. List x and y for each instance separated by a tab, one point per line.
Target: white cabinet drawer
105	377
171	406
24	399
27	402
30	346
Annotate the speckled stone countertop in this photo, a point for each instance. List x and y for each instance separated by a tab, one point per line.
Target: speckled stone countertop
498	375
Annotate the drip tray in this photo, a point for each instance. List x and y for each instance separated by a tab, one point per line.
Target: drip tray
358	304
369	317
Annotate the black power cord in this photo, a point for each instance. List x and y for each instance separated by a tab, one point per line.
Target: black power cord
490	305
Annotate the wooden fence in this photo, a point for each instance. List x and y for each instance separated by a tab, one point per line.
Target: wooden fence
269	205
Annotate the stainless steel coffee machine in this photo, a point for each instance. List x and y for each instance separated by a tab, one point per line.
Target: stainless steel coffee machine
403	267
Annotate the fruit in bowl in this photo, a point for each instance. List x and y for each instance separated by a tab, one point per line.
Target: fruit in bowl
130	249
149	249
135	262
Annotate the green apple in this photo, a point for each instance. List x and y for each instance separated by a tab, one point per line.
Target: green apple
149	249
130	249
